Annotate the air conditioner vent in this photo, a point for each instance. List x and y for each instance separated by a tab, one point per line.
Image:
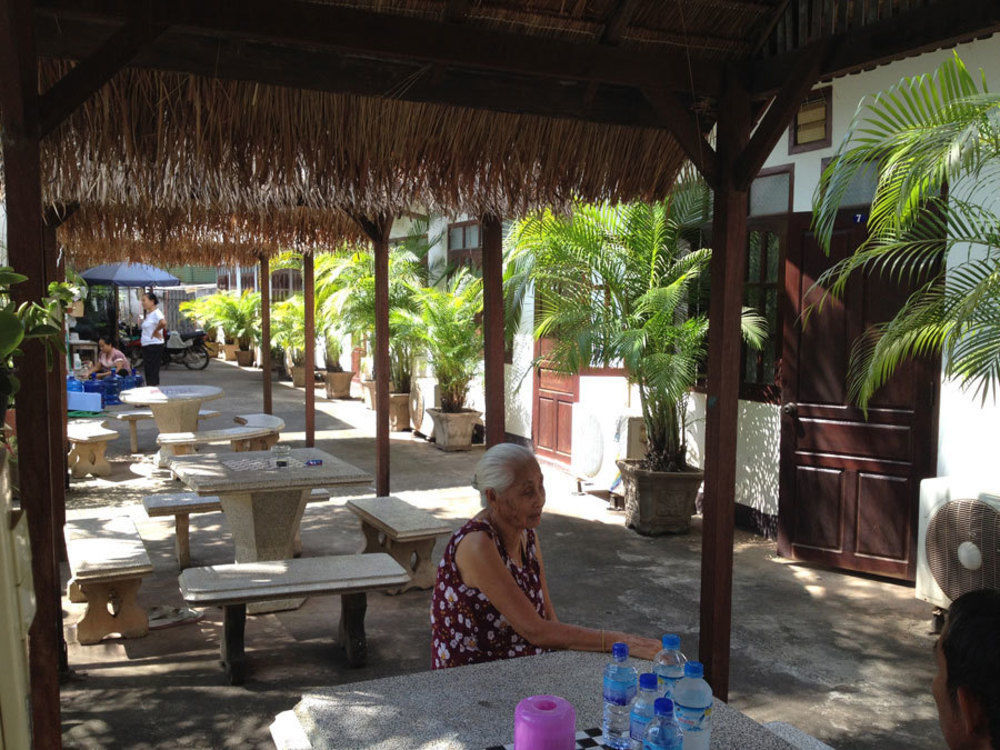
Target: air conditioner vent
963	547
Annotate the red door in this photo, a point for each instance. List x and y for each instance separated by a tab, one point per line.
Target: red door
552	419
849	485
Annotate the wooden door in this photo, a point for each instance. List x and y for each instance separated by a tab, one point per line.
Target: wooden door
552	417
849	485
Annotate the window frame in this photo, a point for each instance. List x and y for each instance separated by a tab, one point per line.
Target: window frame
465	255
768	393
797	148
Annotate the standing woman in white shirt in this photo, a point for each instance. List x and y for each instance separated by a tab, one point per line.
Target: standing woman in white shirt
154	327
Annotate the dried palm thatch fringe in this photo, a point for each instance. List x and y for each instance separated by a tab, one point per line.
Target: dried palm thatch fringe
97	234
153	141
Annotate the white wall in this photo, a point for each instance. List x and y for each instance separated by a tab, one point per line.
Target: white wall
968	430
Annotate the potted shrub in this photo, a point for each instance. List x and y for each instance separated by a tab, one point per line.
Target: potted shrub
404	345
448	326
612	289
338	381
288	331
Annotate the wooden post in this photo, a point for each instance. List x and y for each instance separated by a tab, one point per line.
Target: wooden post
493	334
22	174
380	247
722	400
265	331
309	292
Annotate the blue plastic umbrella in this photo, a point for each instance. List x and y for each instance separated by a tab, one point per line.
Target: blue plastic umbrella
129	275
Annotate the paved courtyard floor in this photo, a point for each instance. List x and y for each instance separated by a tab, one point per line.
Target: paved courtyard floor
844	658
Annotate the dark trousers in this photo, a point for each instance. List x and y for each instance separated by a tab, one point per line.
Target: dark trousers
152	355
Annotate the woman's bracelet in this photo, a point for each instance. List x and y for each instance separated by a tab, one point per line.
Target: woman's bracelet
603	647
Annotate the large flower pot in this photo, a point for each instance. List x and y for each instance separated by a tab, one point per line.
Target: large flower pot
244	358
659	502
368	392
298	376
453	430
399	412
338	384
229	352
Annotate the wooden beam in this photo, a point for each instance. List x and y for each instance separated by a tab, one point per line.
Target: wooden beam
930	27
456	11
309	293
801	78
722	399
618	21
770	24
392	36
491	228
22	178
687	130
326	70
265	332
378	228
83	81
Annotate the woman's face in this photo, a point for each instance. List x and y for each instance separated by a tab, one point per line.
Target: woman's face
520	505
147	303
104	345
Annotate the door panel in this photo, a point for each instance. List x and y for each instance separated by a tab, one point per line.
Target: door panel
552	419
849	482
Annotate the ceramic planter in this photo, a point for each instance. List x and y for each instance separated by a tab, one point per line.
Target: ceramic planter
453	430
659	502
244	358
229	352
338	384
399	412
298	376
368	392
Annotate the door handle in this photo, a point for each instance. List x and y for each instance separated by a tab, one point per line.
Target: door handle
791	409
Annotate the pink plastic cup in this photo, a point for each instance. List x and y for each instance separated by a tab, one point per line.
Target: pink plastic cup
544	722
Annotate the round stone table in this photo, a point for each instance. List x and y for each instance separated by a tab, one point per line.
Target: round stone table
175	407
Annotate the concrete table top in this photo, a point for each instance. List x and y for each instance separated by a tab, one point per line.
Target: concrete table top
105	548
213	474
472	708
163	394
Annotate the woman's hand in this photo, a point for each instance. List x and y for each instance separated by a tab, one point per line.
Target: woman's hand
643	648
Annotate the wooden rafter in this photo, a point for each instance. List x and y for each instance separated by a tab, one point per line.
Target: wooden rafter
304	24
456	11
80	83
618	20
687	130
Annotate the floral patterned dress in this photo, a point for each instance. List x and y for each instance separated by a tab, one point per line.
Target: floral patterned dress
465	627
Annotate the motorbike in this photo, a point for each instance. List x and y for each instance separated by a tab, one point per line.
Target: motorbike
186	349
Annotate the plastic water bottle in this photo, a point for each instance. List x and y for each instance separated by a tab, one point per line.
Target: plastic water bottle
663	732
693	707
139	380
669	665
72	384
642	710
620	685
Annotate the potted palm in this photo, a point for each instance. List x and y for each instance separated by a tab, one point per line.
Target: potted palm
288	332
338	380
448	327
612	289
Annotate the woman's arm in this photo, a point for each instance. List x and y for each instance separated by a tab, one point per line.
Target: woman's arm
161	326
480	566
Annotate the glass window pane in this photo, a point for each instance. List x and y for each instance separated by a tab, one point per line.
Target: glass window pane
472	235
770	194
773	251
455	238
753	297
753	256
861	190
750	366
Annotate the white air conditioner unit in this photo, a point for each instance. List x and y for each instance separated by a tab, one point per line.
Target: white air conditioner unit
958	543
599	439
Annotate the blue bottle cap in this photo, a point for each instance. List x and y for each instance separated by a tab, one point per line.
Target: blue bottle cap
694	669
647	681
663	707
620	651
671	642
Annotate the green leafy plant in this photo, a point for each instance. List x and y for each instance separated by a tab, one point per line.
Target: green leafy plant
239	318
934	143
447	324
612	284
288	329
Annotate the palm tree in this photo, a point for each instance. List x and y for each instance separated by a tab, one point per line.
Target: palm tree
612	284
934	141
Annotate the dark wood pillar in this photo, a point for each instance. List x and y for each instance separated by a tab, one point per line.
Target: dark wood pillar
722	400
265	332
22	175
380	247
493	334
309	292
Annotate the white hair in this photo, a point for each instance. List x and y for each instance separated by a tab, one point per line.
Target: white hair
497	469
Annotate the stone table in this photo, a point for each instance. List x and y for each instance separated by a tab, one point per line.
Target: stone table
472	708
264	504
175	407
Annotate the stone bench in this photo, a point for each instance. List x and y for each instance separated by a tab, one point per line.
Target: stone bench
233	586
239	438
137	415
181	505
406	533
107	561
88	444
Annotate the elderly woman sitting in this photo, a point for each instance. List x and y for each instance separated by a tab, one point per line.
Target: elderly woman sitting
491	600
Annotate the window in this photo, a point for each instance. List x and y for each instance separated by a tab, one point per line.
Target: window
464	245
771	192
762	293
812	127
